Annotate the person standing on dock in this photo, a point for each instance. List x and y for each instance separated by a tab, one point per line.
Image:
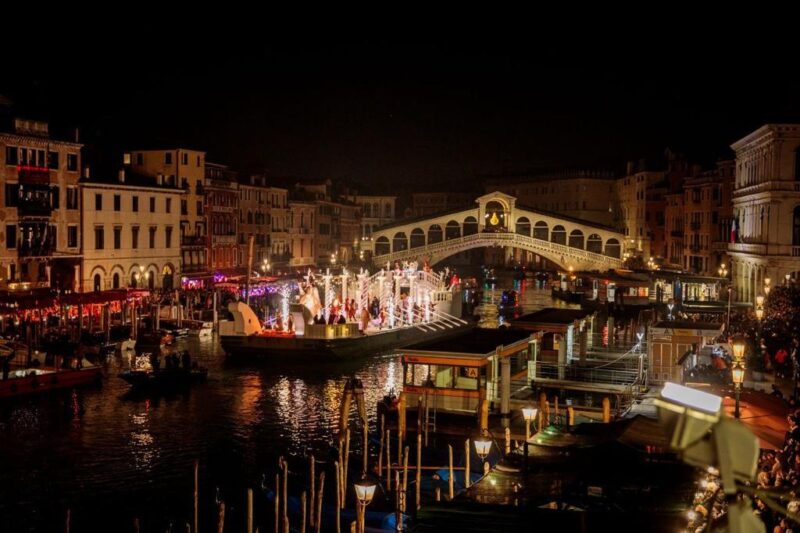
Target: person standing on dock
155	362
364	323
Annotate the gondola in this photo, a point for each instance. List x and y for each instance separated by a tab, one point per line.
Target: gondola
170	378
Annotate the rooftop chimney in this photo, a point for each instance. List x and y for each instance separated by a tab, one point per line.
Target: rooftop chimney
160	179
122	175
86	173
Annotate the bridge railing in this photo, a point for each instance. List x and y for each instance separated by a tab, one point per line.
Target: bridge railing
508	238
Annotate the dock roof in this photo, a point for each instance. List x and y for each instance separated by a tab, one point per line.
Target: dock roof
476	341
552	315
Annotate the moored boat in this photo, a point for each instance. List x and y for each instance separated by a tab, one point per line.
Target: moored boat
199	328
164	378
39	380
245	337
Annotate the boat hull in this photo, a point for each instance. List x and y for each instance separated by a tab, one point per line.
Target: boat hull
64	379
166	378
257	346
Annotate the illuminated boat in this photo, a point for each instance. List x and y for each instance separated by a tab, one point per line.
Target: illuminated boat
245	337
26	381
164	378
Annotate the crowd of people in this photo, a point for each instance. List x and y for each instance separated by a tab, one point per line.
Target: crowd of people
778	475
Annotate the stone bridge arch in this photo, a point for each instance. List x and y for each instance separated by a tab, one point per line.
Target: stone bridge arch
496	220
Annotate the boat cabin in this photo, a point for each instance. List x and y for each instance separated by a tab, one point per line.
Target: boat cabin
457	373
561	334
668	343
621	288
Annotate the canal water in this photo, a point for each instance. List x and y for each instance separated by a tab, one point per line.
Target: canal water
110	456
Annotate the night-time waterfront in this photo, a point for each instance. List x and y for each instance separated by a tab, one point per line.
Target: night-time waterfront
111	455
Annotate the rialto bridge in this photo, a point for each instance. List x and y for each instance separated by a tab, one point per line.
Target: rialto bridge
498	221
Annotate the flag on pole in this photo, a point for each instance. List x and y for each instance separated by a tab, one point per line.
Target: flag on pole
734	230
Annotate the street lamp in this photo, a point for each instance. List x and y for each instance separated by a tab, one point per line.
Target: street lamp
759	313
365	490
737	373
529	414
738	350
482	447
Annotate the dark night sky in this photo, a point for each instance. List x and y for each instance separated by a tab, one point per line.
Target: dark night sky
427	113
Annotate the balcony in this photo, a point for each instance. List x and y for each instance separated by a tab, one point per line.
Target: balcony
748	248
34	176
44	249
190	269
695	225
191	240
695	248
30	208
769	186
223	239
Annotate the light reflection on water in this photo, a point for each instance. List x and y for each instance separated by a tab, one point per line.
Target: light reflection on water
110	455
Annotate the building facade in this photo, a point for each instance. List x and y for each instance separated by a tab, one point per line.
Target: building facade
131	234
707	216
673	232
301	233
253	221
222	214
632	208
182	168
350	227
583	194
430	203
766	209
40	209
375	211
279	226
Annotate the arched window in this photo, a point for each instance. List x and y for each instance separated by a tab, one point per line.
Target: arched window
115	280
417	238
558	235
470	226
594	244
576	239
96	284
452	230
382	246
399	242
434	234
540	231
523	226
612	248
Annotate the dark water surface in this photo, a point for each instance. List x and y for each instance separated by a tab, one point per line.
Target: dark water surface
110	456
